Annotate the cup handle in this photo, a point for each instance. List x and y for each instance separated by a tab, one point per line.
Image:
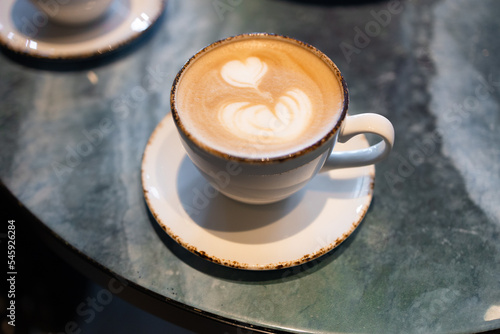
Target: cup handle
355	125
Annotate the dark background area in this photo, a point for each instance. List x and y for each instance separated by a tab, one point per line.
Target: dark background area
48	290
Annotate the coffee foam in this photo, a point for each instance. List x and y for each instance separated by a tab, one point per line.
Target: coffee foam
259	98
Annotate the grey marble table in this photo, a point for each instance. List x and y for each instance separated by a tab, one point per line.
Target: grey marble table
426	258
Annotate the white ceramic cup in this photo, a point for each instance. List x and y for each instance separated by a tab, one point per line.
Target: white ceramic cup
262	181
73	12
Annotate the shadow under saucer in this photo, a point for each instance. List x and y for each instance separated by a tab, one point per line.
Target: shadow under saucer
258	237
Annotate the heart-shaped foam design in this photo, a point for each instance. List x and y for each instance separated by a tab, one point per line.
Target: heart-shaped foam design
257	122
244	74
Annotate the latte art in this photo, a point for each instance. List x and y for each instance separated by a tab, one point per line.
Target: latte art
258	98
285	121
244	74
246	120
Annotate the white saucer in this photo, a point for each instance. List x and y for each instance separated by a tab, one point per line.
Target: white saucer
258	237
25	30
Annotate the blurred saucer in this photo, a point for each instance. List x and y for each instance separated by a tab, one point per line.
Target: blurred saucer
291	232
27	31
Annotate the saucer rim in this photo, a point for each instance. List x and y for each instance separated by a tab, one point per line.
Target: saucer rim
91	54
233	263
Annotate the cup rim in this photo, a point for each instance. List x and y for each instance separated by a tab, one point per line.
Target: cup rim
311	148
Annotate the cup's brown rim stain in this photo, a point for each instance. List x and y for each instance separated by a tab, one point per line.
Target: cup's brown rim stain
270	160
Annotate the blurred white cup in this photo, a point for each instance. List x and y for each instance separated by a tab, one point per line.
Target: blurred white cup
73	12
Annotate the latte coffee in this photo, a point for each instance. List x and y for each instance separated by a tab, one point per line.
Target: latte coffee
258	97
